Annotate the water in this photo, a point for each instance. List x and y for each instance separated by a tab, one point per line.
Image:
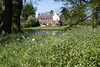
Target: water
42	32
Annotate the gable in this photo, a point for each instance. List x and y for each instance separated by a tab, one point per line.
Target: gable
56	17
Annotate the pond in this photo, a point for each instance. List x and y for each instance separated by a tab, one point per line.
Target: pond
42	32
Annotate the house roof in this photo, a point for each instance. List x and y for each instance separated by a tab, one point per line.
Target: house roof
45	16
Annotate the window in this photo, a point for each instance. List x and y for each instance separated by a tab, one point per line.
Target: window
53	23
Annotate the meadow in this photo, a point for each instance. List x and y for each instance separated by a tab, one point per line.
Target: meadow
76	48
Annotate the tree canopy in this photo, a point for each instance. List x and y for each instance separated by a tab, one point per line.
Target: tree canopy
28	9
80	7
51	11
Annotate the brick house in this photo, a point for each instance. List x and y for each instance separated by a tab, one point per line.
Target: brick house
49	20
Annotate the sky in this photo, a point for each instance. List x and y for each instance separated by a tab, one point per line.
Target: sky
47	5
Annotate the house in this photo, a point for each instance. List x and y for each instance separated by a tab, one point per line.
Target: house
49	20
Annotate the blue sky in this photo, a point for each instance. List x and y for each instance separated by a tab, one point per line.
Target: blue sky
47	5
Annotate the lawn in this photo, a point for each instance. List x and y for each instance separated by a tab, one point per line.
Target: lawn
46	28
69	49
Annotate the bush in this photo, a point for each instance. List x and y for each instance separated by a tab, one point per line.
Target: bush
50	24
57	24
31	21
43	23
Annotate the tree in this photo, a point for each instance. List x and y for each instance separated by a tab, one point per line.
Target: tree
6	17
28	9
78	5
10	12
31	21
94	4
17	8
51	11
1	9
65	12
10	18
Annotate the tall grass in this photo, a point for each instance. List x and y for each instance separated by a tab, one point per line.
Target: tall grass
69	49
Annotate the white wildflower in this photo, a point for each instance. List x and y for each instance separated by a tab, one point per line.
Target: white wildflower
23	37
63	34
56	40
17	38
33	39
29	48
54	33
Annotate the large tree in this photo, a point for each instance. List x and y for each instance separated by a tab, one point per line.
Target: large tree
65	12
17	7
10	11
79	5
6	17
10	17
28	10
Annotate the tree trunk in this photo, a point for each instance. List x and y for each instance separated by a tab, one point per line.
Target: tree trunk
94	18
17	7
6	17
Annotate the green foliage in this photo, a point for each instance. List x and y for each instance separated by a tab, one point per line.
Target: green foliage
71	49
50	24
28	10
43	23
80	11
51	11
28	16
31	21
65	12
58	24
99	19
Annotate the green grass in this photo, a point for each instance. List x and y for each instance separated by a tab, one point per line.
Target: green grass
46	28
70	49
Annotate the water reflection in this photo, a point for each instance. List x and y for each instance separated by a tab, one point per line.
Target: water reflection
42	32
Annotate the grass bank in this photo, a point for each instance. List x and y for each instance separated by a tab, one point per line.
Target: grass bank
70	49
46	28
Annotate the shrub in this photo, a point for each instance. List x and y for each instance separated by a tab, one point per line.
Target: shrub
57	24
43	23
50	24
23	25
31	21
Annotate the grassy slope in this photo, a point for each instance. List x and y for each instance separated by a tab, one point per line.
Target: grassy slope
46	28
80	49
